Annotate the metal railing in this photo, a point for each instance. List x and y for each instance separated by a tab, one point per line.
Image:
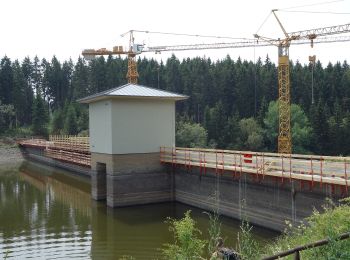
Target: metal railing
70	142
66	148
296	251
310	168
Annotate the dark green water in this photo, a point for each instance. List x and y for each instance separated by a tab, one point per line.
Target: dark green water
46	213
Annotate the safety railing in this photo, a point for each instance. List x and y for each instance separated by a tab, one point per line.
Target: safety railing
296	251
67	148
68	156
309	168
69	142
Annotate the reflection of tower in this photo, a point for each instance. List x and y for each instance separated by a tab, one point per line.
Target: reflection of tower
135	231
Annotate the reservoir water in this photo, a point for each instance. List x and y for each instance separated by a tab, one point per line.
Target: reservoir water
47	213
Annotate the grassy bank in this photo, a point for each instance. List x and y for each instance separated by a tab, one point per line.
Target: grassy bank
333	221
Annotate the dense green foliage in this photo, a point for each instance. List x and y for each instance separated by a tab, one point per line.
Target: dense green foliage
332	222
187	245
39	116
328	224
230	99
301	129
214	231
191	135
247	246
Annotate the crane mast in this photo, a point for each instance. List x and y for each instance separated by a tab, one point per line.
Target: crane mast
132	74
284	130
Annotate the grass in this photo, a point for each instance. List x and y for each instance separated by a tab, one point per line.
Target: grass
334	221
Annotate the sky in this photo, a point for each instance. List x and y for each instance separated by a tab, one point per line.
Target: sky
65	27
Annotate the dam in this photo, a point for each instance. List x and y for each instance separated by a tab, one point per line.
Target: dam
132	159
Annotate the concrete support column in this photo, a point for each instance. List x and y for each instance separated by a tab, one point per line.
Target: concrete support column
98	181
130	179
137	179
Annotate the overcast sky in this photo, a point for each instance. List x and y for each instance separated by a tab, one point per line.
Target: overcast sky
65	27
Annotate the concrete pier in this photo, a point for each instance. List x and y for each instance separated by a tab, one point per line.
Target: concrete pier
130	179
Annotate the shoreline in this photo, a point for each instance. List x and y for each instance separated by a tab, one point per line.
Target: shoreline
10	155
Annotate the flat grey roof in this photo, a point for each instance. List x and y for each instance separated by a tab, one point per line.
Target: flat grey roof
133	90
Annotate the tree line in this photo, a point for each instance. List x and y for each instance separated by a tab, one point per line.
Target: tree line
232	103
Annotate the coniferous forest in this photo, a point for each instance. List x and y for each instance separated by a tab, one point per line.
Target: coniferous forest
232	103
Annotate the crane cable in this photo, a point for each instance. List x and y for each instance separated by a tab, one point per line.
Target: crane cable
312	82
267	17
313	12
255	72
300	6
189	35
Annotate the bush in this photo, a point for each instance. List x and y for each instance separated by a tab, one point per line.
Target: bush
247	246
214	230
186	244
250	134
191	135
20	132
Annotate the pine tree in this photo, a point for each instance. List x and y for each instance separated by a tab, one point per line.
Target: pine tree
57	122
28	72
80	80
6	81
19	92
39	117
70	123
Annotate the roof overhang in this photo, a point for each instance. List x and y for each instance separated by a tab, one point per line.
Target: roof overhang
88	100
133	91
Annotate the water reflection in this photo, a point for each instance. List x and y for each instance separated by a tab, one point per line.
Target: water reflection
47	213
41	217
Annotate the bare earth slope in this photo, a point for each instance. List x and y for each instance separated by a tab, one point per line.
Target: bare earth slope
9	152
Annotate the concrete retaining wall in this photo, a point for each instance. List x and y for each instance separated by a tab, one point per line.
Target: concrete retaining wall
268	204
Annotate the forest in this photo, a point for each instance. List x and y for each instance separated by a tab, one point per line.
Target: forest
232	104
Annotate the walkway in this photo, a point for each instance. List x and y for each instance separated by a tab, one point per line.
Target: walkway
65	148
311	168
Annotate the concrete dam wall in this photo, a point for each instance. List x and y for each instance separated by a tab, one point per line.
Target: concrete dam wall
125	180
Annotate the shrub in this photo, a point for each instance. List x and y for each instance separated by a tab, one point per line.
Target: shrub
187	245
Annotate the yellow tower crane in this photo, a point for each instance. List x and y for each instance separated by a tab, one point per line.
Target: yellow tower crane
133	50
284	132
301	37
